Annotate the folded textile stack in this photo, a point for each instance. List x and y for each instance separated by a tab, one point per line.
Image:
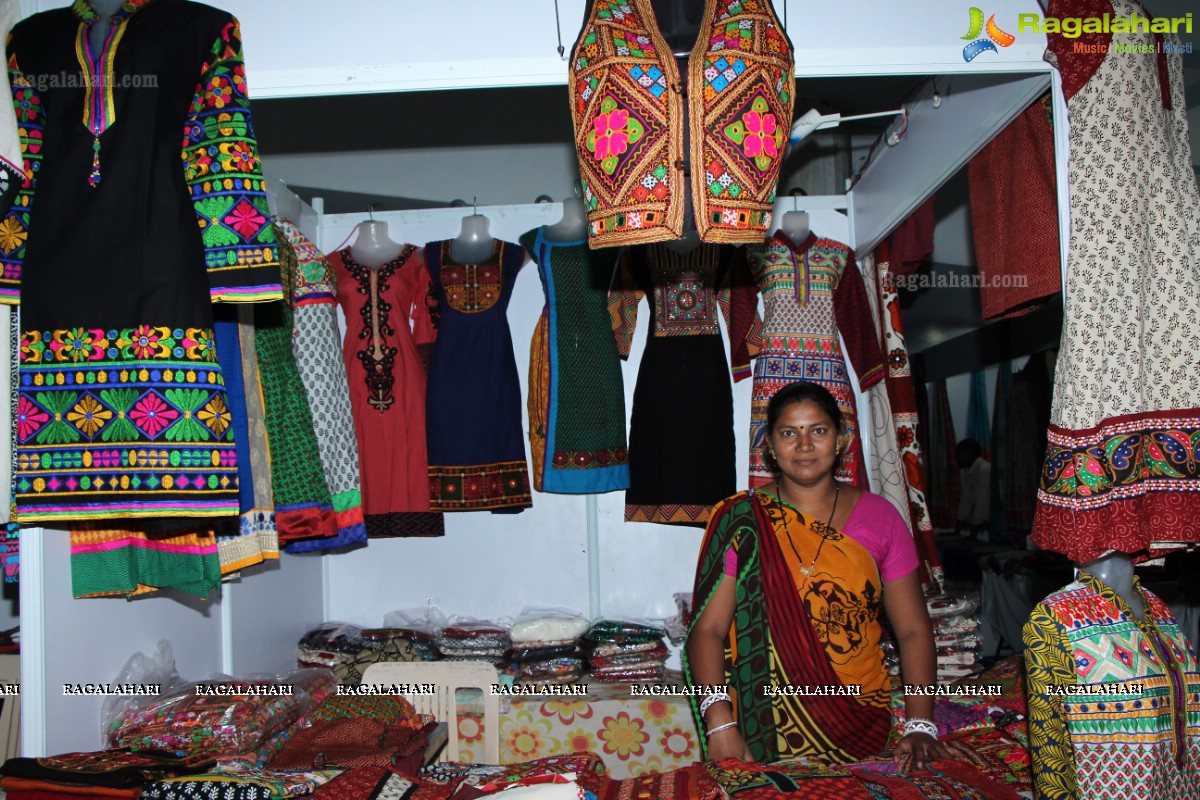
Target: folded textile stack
400	644
545	648
621	651
334	646
474	641
221	718
107	773
955	620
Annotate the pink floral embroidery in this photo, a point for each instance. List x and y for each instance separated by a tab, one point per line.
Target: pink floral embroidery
611	136
145	342
245	219
30	419
760	140
152	414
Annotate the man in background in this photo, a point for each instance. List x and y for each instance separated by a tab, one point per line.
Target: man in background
974	505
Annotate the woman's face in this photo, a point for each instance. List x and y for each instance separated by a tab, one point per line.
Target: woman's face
804	440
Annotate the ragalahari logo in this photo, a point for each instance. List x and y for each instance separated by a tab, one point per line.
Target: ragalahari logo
995	36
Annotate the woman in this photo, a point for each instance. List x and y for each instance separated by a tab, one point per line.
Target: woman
788	599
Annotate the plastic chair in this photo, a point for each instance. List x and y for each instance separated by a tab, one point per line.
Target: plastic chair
10	711
447	678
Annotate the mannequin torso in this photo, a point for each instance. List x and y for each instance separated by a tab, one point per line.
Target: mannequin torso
1116	570
474	243
373	248
574	224
795	225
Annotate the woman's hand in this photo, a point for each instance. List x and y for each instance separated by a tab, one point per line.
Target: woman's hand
728	744
919	750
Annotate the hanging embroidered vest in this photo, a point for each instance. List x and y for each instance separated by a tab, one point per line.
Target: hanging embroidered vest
627	107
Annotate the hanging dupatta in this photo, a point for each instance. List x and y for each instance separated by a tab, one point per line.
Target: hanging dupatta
794	630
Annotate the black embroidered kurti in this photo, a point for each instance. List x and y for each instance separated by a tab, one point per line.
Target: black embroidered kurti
142	205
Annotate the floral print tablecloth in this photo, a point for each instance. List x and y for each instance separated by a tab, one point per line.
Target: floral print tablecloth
634	735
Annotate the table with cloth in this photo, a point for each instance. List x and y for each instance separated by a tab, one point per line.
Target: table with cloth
635	735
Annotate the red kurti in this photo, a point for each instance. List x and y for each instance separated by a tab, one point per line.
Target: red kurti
390	330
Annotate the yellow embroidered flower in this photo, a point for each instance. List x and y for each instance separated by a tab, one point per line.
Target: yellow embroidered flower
215	415
623	736
89	415
12	234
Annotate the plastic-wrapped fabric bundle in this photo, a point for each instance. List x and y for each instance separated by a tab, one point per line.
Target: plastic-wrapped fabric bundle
474	640
623	650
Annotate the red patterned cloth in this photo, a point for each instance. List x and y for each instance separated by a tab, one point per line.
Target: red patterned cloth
912	241
689	783
944	780
1014	215
355	742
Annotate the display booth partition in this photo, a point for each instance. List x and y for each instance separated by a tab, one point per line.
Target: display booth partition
569	551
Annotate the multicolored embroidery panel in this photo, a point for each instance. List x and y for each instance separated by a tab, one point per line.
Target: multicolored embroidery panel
133	421
224	178
479	488
1137	731
14	227
1130	481
471	288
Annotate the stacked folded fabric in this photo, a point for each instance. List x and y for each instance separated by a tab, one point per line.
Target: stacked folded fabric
333	645
545	649
106	773
401	644
955	620
474	641
621	651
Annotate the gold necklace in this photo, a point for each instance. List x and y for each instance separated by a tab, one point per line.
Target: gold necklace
822	529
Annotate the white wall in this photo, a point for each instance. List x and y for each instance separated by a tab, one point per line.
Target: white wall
497	175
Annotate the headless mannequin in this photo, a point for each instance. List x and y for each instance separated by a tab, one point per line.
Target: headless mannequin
1116	570
573	226
795	226
103	25
474	243
282	201
373	248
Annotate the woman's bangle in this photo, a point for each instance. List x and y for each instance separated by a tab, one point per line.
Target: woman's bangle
711	700
719	728
920	725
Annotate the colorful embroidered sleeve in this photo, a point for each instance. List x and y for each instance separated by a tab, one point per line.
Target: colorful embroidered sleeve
224	176
852	311
623	298
426	314
15	223
1048	664
738	298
